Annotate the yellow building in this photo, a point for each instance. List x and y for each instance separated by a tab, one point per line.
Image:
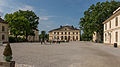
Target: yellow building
112	28
34	38
96	37
65	33
3	31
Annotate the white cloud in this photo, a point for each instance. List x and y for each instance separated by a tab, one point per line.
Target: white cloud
8	6
48	26
26	7
45	17
3	2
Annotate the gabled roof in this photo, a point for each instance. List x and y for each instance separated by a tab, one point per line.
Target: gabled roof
2	21
70	27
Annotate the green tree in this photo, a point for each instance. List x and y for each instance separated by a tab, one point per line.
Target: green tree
22	23
44	35
47	36
94	16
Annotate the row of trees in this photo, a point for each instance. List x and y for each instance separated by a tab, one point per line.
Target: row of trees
22	23
94	16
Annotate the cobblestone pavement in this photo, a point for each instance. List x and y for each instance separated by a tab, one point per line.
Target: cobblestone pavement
73	54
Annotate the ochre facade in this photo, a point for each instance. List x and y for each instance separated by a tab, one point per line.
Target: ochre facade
112	28
34	38
68	33
3	31
96	37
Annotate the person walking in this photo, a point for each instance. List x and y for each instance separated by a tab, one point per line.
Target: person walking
41	41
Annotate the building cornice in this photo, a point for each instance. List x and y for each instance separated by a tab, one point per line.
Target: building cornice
112	29
111	17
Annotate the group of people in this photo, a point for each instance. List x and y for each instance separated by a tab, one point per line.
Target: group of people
43	41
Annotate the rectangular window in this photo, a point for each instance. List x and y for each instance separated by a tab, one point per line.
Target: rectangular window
69	33
65	32
116	35
58	33
3	28
116	21
73	32
76	32
106	26
3	37
110	24
76	37
61	32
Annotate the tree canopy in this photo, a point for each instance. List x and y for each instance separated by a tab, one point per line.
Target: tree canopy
22	23
94	16
44	35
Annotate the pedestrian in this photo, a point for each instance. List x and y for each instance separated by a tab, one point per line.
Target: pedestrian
41	41
50	41
59	41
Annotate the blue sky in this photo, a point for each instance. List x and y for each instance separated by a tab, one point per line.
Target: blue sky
52	13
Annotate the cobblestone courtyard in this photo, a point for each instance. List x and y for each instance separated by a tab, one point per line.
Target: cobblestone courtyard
73	54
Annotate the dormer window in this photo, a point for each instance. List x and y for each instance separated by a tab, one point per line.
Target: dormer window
65	29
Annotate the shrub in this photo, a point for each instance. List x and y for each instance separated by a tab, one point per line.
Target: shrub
19	39
12	39
7	53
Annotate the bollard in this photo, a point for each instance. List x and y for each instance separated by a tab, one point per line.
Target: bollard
115	45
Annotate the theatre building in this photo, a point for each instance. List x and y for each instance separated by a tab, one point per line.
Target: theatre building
112	28
68	33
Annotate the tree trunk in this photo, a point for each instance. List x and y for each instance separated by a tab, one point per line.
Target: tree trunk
16	38
26	36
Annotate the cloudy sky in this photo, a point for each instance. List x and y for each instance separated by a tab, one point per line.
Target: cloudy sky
52	13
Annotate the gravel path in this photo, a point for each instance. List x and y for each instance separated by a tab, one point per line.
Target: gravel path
73	54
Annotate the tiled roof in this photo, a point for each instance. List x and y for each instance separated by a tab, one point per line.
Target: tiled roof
70	27
2	21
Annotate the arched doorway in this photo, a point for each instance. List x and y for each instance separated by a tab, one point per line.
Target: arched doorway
61	37
73	38
65	37
68	37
